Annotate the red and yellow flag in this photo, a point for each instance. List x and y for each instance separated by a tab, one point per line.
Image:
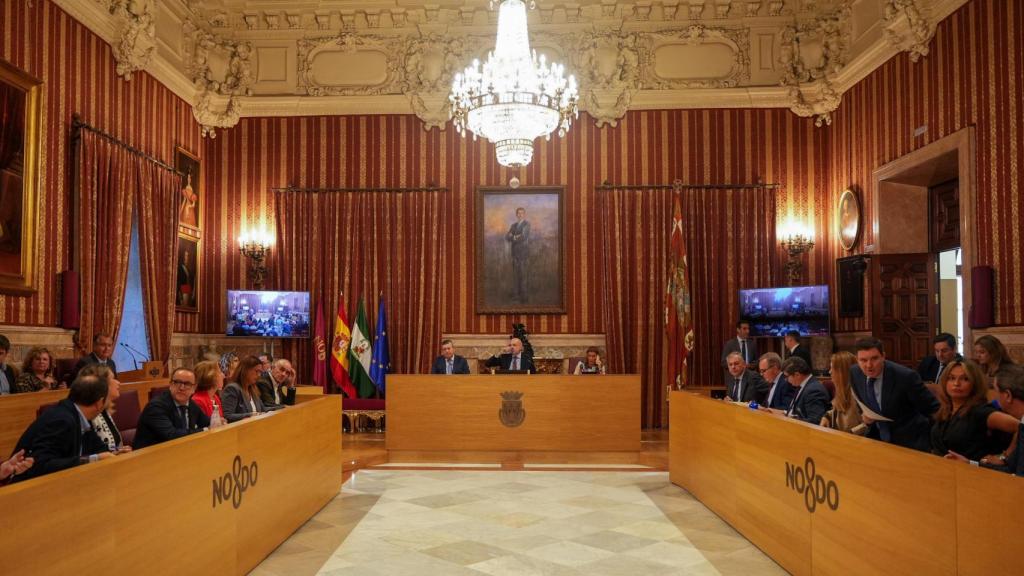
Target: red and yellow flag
678	310
339	351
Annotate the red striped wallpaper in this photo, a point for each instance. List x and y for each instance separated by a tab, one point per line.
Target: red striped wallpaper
974	76
79	76
653	147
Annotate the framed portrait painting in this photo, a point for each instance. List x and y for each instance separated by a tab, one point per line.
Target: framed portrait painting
190	198
520	257
848	219
186	293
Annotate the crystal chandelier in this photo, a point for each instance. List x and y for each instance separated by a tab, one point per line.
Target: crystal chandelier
515	96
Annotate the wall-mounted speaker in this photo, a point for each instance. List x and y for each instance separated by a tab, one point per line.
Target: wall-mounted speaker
981	314
70	311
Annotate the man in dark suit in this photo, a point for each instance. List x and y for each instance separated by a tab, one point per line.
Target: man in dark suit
277	389
811	400
62	437
780	395
895	392
744	385
743	344
102	350
931	367
7	375
449	362
513	358
518	238
172	414
794	348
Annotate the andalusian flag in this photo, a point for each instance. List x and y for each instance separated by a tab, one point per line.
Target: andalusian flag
678	309
340	351
360	355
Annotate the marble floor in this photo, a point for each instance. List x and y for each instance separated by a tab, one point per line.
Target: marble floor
461	522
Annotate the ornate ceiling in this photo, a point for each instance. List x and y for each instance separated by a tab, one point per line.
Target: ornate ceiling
233	58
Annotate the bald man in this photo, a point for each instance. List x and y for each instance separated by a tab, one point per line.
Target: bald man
513	358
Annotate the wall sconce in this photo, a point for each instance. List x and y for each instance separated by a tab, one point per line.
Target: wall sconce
797	240
254	246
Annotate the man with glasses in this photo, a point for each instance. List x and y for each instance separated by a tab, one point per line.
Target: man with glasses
781	393
172	414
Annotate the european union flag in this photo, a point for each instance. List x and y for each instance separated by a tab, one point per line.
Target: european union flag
380	364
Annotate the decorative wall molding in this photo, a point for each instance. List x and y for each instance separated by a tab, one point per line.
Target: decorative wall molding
736	42
136	23
373	52
813	52
202	49
608	70
907	28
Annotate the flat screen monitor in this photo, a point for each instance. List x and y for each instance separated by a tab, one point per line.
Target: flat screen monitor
775	311
268	314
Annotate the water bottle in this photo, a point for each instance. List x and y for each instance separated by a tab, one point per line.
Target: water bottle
215	419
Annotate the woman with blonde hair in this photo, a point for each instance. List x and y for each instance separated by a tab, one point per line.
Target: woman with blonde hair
37	372
209	382
845	414
991	355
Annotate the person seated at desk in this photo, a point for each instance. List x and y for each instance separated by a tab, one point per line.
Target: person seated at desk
794	348
845	414
592	364
810	399
7	375
14	465
513	358
966	421
780	395
931	366
1011	399
62	437
209	382
37	372
278	389
743	385
102	350
241	398
991	354
103	424
895	392
172	414
449	362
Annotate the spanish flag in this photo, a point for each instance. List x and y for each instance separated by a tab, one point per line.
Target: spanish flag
339	351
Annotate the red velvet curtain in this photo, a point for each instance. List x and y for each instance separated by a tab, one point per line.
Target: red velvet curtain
367	244
111	180
730	238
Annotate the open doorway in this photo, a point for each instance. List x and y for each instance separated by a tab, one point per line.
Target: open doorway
951	296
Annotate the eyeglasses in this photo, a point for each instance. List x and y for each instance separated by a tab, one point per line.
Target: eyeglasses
762	370
183	383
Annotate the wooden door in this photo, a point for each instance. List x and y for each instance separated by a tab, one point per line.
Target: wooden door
944	221
904	310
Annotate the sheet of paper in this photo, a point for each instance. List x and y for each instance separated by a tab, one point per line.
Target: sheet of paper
871	413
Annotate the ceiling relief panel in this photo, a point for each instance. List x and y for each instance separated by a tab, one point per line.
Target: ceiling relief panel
270	57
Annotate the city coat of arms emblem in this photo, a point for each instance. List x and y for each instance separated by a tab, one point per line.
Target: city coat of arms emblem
512	413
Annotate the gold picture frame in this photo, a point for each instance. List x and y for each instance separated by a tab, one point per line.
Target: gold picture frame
21	102
848	219
190	199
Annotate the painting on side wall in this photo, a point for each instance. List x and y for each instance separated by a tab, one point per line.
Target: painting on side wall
20	119
186	295
190	198
519	251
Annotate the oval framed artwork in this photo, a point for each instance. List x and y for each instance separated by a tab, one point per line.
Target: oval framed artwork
848	219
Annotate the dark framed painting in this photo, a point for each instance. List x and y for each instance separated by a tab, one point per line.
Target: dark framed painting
520	255
186	291
20	121
190	199
851	272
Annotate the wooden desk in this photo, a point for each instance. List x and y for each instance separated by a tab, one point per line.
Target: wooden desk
155	512
17	411
432	416
307	393
899	511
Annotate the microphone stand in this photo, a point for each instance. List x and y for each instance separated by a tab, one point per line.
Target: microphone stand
131	352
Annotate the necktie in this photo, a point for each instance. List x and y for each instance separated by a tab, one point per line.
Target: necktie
183	411
5	386
743	350
771	394
875	403
739	390
515	362
939	373
448	367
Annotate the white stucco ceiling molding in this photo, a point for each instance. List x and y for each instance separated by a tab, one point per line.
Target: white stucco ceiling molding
430	62
908	28
607	65
135	21
813	53
220	68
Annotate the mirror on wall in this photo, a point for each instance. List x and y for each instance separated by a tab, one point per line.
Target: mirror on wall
20	121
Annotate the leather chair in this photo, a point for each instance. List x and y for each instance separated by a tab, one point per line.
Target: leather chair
126	415
63	370
156	391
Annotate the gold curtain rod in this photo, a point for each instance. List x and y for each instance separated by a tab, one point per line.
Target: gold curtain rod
77	125
399	189
679	185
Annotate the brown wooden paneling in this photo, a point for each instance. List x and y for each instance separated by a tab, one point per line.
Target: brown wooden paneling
944	216
152	511
17	411
563	413
904	314
884	509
